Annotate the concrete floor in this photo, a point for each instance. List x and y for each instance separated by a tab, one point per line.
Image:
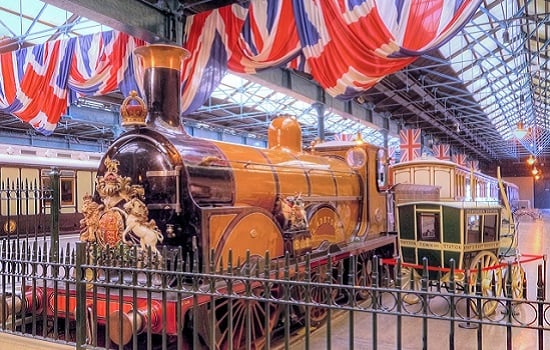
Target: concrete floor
16	342
534	239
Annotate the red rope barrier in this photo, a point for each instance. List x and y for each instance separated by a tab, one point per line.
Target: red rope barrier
529	258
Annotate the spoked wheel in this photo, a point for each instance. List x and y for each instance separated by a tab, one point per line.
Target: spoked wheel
410	280
317	294
249	322
517	279
491	281
363	275
323	295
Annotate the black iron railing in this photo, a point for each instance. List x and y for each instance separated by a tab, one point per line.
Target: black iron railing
99	297
91	297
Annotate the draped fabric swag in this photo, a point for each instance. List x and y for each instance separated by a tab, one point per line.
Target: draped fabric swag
346	46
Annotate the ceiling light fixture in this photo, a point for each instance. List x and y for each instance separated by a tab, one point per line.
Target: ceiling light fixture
520	132
531	160
535	171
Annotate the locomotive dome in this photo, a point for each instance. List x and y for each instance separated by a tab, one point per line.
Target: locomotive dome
285	133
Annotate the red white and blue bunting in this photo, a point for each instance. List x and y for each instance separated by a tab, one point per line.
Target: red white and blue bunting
347	47
39	82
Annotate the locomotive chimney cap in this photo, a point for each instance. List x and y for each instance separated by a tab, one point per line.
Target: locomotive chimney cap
162	56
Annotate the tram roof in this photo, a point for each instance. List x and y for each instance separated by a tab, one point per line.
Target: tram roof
479	204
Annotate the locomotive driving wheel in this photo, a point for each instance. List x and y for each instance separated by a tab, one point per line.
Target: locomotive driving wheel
363	275
246	321
311	293
488	284
318	314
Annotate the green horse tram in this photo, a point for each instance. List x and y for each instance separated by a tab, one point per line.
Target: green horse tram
474	234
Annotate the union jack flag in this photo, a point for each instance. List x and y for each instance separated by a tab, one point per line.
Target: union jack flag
411	144
474	164
61	71
442	151
460	159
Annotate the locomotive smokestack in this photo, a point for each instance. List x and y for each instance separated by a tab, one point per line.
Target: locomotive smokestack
161	83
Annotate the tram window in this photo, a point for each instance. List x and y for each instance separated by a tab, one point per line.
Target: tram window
428	226
474	233
67	191
46	191
489	228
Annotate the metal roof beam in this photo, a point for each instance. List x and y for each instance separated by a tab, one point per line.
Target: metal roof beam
137	18
444	111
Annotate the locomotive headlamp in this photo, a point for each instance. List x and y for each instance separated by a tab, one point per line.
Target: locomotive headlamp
356	157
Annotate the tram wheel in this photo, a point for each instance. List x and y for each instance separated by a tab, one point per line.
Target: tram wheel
410	280
517	279
490	281
248	322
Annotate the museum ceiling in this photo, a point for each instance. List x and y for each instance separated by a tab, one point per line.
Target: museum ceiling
472	93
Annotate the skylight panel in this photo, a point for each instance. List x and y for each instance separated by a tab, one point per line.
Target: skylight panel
301	104
488	80
35	22
478	27
455	44
48	13
308	119
278	96
86	27
263	91
233	81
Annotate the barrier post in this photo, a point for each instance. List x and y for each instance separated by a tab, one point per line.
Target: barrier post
469	303
398	286
509	305
452	291
80	295
55	208
425	307
540	302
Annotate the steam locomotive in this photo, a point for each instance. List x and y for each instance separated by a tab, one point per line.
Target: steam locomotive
208	195
239	201
158	188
